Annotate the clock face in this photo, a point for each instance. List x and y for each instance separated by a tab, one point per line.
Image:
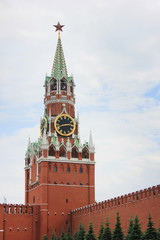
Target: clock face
64	125
43	126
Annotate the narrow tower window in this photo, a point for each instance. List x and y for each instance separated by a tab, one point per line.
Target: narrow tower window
63	85
52	151
74	152
62	151
81	169
68	169
53	85
55	168
85	153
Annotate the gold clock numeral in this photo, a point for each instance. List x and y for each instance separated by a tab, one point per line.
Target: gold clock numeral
61	130
64	132
64	117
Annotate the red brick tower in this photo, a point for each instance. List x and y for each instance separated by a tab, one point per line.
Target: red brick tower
59	170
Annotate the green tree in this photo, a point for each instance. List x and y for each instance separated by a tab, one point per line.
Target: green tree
107	234
90	235
158	233
75	236
81	233
53	236
150	232
63	235
101	232
45	237
129	229
136	233
69	234
117	232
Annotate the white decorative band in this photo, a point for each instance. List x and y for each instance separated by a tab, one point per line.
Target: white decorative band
1	230
59	185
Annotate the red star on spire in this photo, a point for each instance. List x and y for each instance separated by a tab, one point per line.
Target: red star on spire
58	27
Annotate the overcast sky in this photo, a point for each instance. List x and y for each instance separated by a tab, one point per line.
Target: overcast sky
112	48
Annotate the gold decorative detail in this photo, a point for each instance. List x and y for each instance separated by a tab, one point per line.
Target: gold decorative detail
64	125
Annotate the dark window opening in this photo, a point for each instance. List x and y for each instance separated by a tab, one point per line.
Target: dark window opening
68	169
63	85
66	222
62	151
137	196
81	169
81	184
52	151
85	153
71	89
68	183
25	229
17	229
55	168
154	192
33	199
26	209
4	209
54	85
118	202
66	200
74	153
55	182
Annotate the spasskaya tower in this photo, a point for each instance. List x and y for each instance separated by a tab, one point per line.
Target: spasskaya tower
59	169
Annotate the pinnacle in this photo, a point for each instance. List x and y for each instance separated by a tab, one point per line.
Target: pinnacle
59	68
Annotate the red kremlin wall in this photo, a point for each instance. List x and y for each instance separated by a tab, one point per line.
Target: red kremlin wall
139	203
19	222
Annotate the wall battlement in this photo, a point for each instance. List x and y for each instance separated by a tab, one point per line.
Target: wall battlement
132	204
117	201
16	209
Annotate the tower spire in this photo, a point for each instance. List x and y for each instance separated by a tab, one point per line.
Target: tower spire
59	68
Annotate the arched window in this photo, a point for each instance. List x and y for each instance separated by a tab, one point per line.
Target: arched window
53	85
68	168
52	151
71	89
80	169
62	151
55	168
74	153
63	85
85	153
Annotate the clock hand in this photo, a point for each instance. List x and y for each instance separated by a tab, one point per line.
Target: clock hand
65	125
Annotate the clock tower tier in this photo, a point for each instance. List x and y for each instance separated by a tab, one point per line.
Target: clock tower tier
59	169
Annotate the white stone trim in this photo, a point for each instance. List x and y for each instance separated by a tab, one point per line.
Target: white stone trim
59	101
59	185
1	230
64	160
